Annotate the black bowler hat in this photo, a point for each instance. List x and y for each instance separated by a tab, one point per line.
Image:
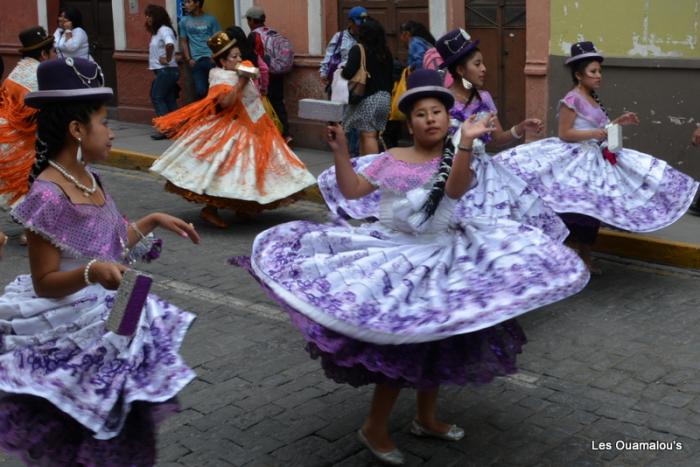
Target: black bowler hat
581	50
454	45
68	80
421	84
34	38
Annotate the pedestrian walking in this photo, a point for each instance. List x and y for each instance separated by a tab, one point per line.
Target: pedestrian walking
17	120
79	248
73	41
278	53
500	194
418	40
368	112
227	152
195	29
579	177
417	299
161	60
335	58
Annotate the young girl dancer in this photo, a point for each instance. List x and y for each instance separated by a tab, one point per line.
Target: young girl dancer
17	124
417	299
500	193
228	152
579	177
53	341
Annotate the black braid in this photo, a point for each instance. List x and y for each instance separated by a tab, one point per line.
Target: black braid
595	97
52	122
437	191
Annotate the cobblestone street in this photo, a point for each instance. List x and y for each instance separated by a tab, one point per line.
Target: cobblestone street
615	364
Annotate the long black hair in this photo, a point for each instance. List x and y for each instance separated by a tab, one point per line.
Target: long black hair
373	38
244	43
159	17
579	67
52	134
73	15
458	78
416	29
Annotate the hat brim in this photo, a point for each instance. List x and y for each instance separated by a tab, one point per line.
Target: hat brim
441	93
457	57
595	55
37	99
40	45
224	48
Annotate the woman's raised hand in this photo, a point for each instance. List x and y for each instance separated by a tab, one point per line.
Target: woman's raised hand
627	118
335	135
473	128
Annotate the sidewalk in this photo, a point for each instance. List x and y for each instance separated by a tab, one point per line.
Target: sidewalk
677	245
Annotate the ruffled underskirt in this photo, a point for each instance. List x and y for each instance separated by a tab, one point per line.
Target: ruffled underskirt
474	358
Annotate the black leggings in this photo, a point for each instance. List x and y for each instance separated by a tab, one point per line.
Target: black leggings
582	228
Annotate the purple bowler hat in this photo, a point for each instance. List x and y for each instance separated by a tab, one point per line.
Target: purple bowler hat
421	84
68	80
581	50
454	45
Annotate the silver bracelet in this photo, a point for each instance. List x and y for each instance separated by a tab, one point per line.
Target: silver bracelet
86	272
514	132
465	148
136	229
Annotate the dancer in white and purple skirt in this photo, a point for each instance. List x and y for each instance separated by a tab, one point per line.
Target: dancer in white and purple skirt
53	340
576	174
420	298
501	194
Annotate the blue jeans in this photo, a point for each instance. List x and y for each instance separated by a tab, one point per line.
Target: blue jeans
164	90
200	76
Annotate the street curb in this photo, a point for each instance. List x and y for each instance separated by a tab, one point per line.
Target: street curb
627	245
651	249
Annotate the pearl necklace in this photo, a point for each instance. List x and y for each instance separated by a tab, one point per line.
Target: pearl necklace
86	191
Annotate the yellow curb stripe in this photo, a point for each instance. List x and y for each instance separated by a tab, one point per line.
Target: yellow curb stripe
652	249
628	245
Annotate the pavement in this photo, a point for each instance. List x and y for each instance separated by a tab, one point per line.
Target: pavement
614	365
676	245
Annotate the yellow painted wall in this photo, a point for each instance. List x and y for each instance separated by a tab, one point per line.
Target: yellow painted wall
627	28
222	10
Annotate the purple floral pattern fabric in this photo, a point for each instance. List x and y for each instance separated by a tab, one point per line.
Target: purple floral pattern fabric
639	193
59	349
474	358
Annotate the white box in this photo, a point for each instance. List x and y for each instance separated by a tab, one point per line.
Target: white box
321	110
614	137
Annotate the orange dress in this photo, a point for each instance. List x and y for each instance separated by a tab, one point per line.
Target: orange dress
230	157
17	132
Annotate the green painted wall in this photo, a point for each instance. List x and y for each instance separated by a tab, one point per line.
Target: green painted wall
627	28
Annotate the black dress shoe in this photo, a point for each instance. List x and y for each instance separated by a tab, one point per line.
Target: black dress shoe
158	136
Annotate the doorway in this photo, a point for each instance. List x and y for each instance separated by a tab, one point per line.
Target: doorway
500	26
98	23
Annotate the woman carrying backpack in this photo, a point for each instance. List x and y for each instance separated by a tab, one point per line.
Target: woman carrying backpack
368	113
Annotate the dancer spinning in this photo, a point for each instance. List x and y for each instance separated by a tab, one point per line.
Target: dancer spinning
228	152
53	341
500	193
17	121
579	177
417	299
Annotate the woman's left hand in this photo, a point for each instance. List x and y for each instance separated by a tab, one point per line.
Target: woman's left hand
471	128
627	118
533	125
163	60
177	225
